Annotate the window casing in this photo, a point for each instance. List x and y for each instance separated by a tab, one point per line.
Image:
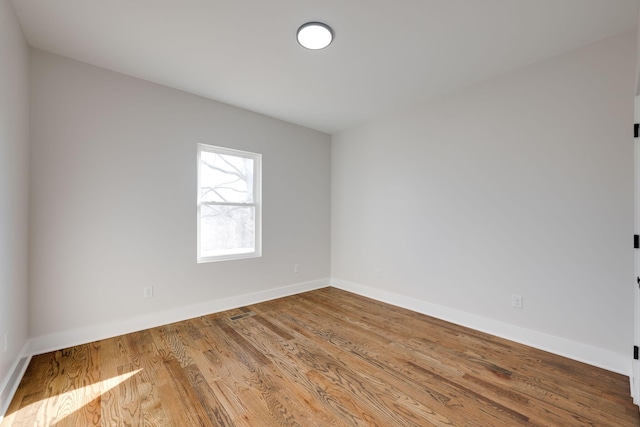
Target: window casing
229	204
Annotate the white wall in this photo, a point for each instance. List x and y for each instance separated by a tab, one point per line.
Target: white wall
14	154
114	190
519	185
522	184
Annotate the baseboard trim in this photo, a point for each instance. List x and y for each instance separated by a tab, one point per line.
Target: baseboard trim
11	382
598	357
69	338
574	350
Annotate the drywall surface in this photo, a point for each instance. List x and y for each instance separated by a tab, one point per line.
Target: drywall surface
14	185
522	185
114	198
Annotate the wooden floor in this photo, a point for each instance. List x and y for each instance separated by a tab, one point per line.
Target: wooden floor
323	358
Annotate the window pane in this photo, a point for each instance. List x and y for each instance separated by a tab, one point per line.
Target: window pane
226	178
227	230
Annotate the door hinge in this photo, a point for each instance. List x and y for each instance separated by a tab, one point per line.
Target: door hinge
636	241
635	129
635	352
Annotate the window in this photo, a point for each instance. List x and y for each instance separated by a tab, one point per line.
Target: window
229	205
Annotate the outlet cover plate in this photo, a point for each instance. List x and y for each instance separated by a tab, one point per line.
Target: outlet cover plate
516	301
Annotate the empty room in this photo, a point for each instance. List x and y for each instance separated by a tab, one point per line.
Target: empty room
337	213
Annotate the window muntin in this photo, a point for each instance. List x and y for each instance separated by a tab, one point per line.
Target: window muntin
229	210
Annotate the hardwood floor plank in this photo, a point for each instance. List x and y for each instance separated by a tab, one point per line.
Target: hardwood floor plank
215	410
292	387
320	358
432	391
268	383
188	400
545	385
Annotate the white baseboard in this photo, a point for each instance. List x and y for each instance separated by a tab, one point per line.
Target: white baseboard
69	338
599	357
10	384
581	352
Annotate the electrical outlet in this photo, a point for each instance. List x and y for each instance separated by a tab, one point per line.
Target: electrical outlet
516	301
296	268
376	273
148	291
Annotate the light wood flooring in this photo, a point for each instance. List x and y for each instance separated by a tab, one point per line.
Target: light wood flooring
322	358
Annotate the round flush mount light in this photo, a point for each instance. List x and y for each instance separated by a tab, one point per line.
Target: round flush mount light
315	35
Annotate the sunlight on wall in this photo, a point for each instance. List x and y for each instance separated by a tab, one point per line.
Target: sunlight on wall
56	408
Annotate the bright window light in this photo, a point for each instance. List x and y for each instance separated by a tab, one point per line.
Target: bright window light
229	204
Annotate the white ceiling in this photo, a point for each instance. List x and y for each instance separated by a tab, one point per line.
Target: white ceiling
386	54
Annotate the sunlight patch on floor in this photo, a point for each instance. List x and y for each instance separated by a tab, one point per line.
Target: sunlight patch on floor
56	408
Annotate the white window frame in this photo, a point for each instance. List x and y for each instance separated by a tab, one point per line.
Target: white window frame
257	204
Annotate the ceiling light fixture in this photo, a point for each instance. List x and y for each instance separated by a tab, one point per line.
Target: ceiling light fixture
315	35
